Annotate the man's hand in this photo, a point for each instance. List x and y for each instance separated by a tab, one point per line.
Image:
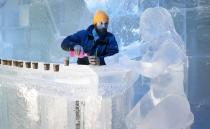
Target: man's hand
94	60
77	50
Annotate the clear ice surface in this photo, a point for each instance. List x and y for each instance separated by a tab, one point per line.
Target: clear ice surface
80	97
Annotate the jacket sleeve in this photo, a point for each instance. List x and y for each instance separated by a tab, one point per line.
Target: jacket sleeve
72	40
112	48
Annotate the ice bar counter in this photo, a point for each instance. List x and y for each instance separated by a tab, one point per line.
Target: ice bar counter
73	97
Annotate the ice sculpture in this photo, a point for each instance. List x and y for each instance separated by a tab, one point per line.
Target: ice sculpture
76	97
165	106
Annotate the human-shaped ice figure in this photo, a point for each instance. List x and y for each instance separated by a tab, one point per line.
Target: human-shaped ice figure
165	105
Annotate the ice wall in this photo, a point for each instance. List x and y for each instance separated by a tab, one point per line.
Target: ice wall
198	27
34	29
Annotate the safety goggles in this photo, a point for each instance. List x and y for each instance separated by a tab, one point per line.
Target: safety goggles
102	25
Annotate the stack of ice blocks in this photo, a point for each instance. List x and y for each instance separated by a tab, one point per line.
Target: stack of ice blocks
76	97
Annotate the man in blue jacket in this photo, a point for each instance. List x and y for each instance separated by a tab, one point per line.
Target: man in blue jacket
96	41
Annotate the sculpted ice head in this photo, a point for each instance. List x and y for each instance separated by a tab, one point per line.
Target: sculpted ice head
156	25
155	22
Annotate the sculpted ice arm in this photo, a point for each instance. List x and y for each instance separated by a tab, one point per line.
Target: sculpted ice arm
133	51
167	54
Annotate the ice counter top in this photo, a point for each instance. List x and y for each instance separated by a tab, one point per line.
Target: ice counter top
78	96
91	80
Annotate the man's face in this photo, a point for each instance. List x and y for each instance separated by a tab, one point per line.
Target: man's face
101	28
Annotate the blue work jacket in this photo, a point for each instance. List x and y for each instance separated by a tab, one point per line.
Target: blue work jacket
104	46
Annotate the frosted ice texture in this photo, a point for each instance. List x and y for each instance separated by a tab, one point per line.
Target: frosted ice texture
30	27
165	105
77	97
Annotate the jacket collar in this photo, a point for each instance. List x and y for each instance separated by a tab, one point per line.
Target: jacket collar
90	29
90	32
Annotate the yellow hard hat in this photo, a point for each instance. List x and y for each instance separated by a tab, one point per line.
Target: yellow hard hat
100	16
